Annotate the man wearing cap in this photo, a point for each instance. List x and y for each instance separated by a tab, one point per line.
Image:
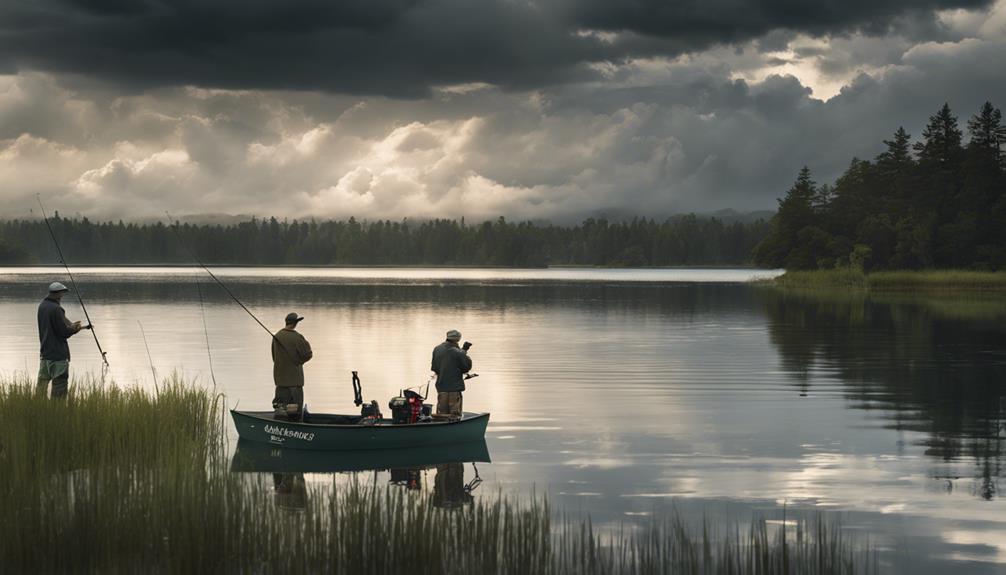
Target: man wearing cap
290	351
53	332
450	363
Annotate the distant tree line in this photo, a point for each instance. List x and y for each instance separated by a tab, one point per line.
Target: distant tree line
942	206
681	240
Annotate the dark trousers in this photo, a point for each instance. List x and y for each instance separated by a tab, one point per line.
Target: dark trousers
286	396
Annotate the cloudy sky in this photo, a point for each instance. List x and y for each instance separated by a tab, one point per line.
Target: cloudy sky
544	109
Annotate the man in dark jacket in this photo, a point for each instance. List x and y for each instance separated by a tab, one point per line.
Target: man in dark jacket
53	331
290	351
450	363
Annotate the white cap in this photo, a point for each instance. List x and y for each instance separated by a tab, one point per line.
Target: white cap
56	287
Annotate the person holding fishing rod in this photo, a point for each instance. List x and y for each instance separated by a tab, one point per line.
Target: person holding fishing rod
53	332
451	363
290	351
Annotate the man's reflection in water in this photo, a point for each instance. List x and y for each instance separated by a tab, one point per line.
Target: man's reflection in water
289	490
449	489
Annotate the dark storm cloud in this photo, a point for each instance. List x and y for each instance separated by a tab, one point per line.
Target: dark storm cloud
710	21
399	47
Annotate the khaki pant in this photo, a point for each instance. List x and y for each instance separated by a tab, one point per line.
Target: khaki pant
449	402
58	372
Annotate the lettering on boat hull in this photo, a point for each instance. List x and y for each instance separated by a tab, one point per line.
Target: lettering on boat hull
281	434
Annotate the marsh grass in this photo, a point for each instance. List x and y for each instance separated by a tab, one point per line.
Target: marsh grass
929	281
123	480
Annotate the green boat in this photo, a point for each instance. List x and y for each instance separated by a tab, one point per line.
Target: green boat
257	457
331	432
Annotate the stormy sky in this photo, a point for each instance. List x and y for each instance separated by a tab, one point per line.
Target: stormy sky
547	109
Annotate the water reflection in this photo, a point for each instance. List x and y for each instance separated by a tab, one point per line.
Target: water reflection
407	469
935	366
263	458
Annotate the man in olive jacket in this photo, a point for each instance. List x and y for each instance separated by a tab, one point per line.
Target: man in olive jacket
290	351
450	363
53	331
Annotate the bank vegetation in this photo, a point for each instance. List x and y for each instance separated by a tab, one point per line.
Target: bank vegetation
124	480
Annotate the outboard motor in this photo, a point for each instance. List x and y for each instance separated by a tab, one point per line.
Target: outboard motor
400	410
409	407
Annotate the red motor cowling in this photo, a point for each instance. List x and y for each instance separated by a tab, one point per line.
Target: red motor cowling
415	405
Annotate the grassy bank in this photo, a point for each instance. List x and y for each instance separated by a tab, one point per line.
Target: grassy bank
931	281
128	481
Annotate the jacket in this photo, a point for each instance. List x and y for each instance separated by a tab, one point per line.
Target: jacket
53	331
290	351
450	363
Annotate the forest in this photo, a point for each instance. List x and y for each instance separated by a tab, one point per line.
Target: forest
937	203
678	241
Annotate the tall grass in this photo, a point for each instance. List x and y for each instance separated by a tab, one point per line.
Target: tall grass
117	480
940	281
106	425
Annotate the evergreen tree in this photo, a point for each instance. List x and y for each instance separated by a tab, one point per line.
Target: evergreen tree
988	134
940	158
781	248
983	200
941	142
895	166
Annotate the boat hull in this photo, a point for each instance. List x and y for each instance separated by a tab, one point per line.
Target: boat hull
262	427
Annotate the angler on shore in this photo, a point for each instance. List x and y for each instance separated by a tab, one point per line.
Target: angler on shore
53	332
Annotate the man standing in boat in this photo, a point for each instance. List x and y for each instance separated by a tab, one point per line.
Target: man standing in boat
290	351
53	332
451	363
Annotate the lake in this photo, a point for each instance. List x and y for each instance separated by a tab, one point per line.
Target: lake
619	393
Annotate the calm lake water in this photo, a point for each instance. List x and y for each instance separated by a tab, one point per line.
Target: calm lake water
620	393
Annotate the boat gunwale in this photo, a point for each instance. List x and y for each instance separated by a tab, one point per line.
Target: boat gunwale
253	415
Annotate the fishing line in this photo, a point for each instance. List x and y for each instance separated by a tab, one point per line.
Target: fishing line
73	284
149	357
206	331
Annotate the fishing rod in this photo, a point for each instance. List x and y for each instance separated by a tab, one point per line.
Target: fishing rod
192	254
73	284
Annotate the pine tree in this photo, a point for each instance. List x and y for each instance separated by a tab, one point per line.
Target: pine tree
898	155
988	134
940	186
782	247
895	167
941	139
983	201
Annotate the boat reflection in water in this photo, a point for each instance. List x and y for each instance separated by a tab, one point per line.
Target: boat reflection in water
406	467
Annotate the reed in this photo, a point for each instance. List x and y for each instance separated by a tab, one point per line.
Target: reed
122	480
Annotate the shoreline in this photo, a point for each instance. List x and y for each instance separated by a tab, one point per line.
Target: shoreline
902	281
